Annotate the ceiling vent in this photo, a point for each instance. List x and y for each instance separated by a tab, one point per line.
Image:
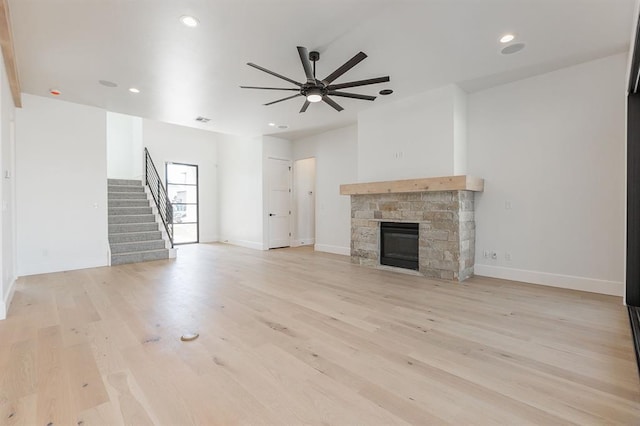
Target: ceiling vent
108	83
203	119
512	48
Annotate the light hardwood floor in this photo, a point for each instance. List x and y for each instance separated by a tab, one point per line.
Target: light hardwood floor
291	336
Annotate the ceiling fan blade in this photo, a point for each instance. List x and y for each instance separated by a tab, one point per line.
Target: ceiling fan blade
306	64
344	68
267	88
275	74
359	83
284	99
305	106
332	103
351	95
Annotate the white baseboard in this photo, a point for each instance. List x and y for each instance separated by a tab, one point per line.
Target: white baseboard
613	288
209	239
303	242
6	301
346	251
243	243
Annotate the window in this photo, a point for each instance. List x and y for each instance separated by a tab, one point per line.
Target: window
182	189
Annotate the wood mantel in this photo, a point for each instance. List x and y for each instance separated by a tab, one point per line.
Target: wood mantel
444	183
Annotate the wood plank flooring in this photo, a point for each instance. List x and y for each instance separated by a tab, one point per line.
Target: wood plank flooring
292	336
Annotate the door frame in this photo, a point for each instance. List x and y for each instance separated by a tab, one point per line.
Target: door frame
296	213
197	185
267	199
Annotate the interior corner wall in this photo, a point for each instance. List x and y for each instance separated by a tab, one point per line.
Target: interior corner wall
551	149
61	186
124	146
336	154
7	212
179	144
240	190
411	137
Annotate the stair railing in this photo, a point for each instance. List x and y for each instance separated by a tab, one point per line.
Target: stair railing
159	194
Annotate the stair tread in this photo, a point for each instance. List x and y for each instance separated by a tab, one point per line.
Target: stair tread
134	232
136	242
141	251
125	215
114	226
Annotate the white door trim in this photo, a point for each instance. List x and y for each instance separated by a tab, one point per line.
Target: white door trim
267	194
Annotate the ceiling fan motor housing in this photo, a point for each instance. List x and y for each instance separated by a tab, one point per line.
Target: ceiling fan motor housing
310	88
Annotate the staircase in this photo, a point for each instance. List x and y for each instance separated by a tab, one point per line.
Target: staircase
134	234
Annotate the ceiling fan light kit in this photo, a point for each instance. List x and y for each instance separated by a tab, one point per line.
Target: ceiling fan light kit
315	90
314	95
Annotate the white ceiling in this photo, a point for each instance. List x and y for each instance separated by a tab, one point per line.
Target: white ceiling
184	73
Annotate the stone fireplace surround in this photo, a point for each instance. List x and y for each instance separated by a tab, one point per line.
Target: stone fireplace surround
443	208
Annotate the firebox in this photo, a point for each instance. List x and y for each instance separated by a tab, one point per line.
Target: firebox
399	244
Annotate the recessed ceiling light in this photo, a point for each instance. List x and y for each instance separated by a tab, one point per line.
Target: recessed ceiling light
134	90
107	83
283	126
202	119
189	21
512	48
55	92
386	92
272	124
507	38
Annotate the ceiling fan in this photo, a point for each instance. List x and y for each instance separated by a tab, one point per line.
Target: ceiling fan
315	90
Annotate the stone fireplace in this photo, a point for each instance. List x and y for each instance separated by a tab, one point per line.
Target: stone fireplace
443	209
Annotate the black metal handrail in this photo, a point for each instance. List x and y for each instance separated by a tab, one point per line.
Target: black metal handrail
159	194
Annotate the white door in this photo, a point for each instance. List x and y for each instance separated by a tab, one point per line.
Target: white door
279	203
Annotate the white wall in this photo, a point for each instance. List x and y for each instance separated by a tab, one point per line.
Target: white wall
304	195
240	190
179	144
553	147
7	213
336	154
413	137
124	146
459	131
61	186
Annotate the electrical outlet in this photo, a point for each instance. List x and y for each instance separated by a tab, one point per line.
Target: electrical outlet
507	257
486	254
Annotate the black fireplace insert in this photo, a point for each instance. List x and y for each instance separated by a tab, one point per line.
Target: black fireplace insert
399	244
